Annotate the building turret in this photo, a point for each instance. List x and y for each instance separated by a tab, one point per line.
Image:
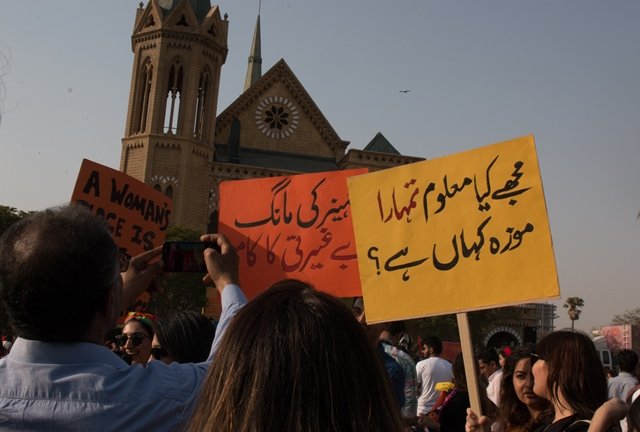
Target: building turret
179	48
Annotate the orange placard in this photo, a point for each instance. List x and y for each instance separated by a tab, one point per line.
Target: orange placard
295	226
137	214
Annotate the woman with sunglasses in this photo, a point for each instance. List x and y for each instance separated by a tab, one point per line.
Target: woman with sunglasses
136	337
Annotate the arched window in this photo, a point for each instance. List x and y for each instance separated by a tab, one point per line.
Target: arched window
169	191
150	22
174	92
201	103
183	21
157	187
234	141
144	88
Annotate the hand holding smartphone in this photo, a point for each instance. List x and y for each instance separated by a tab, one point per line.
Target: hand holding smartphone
185	256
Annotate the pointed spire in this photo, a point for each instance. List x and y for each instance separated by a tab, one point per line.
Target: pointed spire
254	70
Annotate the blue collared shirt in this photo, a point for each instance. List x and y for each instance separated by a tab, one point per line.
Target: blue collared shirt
83	386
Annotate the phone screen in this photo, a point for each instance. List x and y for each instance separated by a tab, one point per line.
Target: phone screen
181	256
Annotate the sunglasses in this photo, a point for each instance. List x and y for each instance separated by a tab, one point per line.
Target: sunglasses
136	339
534	358
159	352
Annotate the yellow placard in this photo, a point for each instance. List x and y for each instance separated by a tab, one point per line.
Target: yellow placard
459	233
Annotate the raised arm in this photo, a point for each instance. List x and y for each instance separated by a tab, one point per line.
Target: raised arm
139	275
222	271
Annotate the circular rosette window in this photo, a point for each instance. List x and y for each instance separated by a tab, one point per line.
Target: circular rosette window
277	117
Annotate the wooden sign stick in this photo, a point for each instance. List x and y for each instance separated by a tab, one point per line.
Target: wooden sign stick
469	362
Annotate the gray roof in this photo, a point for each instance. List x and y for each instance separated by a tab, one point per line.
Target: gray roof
380	144
200	7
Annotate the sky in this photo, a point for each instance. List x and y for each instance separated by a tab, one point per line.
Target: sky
478	72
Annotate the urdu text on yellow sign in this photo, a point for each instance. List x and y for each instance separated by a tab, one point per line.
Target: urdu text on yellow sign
463	232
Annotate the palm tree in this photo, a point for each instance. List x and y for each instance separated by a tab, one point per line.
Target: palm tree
572	304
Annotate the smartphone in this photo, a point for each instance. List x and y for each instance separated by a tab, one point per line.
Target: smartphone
185	256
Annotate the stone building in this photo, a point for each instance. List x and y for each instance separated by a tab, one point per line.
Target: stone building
179	48
520	325
622	336
176	141
173	139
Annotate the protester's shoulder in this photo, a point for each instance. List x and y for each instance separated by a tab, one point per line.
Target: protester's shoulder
4	368
388	360
569	424
186	374
614	380
461	398
175	381
109	373
422	364
443	362
578	426
428	362
403	357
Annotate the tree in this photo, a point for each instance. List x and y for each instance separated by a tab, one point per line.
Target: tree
9	216
572	304
630	316
443	326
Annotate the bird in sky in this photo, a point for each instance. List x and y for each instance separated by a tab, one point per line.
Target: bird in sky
404	91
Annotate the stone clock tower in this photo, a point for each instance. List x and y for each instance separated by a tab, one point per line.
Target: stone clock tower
179	48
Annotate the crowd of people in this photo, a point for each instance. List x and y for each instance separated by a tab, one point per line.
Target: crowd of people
292	359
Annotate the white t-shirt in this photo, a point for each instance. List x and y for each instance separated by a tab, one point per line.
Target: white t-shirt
493	388
430	372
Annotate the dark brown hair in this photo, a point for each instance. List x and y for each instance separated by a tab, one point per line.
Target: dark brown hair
512	412
575	370
460	380
295	359
187	336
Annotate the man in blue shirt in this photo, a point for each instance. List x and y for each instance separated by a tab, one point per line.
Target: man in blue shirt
61	286
620	386
394	371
